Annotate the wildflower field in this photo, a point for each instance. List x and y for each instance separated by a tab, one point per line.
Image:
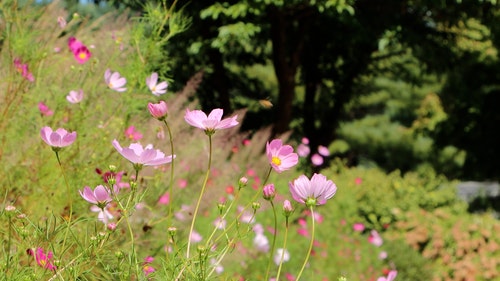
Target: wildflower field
106	174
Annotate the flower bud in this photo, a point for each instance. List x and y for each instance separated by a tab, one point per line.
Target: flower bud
287	208
255	206
269	192
242	182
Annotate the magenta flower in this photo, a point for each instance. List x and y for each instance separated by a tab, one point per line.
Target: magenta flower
115	81
44	109
100	196
42	259
390	277
74	44
133	134
75	96
281	157
312	192
158	110
58	138
82	54
23	69
359	227
143	156
146	267
156	89
210	123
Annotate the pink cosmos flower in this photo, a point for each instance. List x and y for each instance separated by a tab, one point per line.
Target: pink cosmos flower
104	215
317	159
312	192
359	227
42	259
143	156
23	69
280	252
375	238
210	123
58	138
115	81
358	181
75	96
261	243
158	110
281	157
164	199
156	89
100	196
287	207
390	277
44	109
303	150
269	191
323	150
133	134
195	237
82	54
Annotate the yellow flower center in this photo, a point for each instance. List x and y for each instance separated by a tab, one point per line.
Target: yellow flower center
276	161
82	55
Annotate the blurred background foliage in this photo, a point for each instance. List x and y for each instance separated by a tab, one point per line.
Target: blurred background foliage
401	84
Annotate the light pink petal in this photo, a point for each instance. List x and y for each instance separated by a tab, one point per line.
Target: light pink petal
285	150
147	156
195	118
161	86
227	123
101	194
107	75
216	114
130	155
137	148
68	139
118	83
88	195
55	139
45	133
151	80
160	161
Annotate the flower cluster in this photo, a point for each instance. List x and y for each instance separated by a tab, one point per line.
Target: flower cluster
23	69
79	50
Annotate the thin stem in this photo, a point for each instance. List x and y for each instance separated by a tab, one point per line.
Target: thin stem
201	195
310	245
284	249
235	221
171	184
70	198
274	241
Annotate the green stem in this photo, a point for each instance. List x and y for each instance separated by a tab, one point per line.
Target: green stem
284	249
171	184
310	245
70	198
274	241
235	221
201	195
